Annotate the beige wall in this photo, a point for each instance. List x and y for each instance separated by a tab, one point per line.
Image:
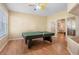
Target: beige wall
4	39
52	20
70	6
20	22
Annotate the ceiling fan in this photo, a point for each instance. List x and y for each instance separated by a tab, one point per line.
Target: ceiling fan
38	6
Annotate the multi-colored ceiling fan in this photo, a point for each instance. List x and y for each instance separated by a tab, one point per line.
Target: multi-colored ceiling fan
38	6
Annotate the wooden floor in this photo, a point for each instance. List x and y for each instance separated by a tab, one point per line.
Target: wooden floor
18	47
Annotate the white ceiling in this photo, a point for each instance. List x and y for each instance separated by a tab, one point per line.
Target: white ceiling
51	8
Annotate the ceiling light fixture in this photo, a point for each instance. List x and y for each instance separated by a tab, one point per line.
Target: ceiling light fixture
40	6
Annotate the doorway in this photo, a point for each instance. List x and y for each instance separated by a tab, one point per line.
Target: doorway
61	32
61	26
71	27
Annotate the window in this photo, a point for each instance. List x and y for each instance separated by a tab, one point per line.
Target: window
3	24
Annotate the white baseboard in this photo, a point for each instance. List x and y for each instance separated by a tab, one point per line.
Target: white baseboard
16	38
69	51
8	41
4	46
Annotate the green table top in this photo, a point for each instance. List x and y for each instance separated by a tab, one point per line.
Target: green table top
35	33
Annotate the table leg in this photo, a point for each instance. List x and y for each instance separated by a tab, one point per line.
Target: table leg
29	43
48	38
26	41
